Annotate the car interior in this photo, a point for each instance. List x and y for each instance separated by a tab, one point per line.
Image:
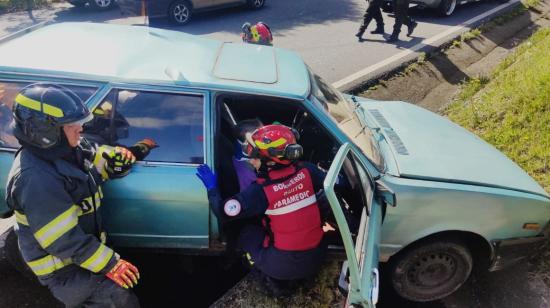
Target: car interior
319	146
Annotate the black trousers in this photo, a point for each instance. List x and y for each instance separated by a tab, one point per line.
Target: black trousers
78	287
373	12
280	264
401	10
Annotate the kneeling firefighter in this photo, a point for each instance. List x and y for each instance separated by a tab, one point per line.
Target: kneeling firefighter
54	189
289	245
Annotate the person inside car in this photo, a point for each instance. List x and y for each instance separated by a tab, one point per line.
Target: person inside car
246	167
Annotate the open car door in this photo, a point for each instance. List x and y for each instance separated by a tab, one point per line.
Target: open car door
362	245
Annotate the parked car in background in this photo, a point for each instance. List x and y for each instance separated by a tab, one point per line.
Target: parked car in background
179	12
448	199
94	4
442	7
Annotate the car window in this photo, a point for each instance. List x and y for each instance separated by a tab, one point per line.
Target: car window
8	92
173	121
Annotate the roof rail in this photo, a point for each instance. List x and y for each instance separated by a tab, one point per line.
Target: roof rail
21	32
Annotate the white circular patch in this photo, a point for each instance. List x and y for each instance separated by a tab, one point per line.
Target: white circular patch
232	207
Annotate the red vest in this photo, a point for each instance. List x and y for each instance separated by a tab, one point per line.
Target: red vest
293	212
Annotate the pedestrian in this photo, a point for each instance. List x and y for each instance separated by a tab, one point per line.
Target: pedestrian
54	188
372	12
257	34
288	246
401	11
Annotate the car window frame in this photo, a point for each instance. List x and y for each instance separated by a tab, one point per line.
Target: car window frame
166	90
7	78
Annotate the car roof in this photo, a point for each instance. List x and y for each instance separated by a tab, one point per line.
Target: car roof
141	54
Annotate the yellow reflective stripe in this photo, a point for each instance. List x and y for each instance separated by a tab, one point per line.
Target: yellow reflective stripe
98	196
57	227
99	259
100	192
27	102
34	104
21	218
273	144
48	265
52	110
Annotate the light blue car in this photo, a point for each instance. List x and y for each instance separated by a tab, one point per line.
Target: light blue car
447	199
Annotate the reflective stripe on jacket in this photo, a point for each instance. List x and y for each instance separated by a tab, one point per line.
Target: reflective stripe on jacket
55	215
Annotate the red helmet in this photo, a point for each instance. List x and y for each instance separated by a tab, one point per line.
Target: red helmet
274	142
257	34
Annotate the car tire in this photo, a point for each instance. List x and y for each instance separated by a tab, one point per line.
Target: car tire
13	255
180	12
101	5
447	7
431	270
387	6
255	4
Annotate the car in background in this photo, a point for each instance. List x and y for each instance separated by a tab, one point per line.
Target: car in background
179	12
94	4
442	7
447	199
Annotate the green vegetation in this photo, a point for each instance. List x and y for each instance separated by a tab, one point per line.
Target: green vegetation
511	108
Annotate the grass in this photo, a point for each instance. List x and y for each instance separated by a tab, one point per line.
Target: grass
511	108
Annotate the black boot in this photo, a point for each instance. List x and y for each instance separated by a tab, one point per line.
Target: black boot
394	37
410	27
359	34
379	30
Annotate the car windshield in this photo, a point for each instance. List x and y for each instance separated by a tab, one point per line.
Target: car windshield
341	111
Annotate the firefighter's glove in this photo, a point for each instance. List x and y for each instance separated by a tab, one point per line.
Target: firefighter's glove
113	162
143	147
208	178
124	274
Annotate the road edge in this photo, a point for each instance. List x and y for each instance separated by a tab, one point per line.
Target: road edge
373	72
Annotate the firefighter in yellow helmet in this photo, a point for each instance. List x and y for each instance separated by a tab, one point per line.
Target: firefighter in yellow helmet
54	189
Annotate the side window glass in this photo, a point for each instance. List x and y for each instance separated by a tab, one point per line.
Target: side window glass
8	92
173	121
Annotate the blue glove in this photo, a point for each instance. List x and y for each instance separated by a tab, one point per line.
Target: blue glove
208	178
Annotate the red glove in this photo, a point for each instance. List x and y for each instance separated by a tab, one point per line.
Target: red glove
124	274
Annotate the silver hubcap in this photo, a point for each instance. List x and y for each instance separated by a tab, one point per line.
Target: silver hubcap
451	8
181	13
103	3
258	3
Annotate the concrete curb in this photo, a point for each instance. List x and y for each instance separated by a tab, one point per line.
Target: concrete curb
380	69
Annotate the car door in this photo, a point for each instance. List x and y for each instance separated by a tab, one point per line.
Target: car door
161	203
362	248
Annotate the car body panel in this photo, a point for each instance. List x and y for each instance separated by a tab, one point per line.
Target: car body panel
425	208
159	8
429	146
144	55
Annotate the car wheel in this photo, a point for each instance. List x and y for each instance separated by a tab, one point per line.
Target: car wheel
101	5
13	255
180	12
387	6
255	4
446	7
431	270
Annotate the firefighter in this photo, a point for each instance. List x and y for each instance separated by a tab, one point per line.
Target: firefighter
401	10
373	12
257	34
289	245
54	188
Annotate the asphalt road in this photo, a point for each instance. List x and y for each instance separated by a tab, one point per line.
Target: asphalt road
322	32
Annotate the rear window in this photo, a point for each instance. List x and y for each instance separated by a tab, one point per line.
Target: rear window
8	92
